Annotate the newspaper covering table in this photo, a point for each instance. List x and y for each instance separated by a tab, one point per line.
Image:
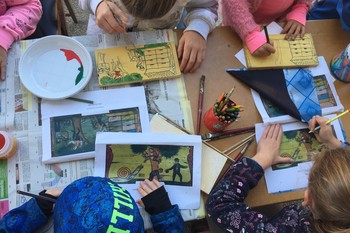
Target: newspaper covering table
20	115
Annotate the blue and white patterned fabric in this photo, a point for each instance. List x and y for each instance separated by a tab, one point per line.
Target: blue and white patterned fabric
302	91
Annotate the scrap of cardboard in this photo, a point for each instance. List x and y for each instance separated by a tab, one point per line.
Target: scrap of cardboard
141	63
300	52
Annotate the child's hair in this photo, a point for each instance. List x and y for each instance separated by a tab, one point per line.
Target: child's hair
329	190
148	9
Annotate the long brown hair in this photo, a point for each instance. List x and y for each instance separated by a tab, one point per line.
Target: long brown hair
148	9
329	187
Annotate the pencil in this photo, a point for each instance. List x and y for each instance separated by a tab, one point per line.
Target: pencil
330	120
266	34
36	196
200	104
81	100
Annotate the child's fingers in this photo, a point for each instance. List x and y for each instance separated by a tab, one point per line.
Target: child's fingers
321	120
312	123
275	131
2	69
141	191
292	32
286	27
150	184
180	49
266	131
54	192
140	203
157	183
145	187
284	160
279	133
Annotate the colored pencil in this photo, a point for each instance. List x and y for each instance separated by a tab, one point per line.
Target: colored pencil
200	103
267	35
36	196
330	120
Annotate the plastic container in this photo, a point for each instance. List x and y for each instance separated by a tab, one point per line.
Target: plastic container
340	65
213	123
8	145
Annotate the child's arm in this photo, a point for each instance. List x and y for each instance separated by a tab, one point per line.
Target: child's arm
296	19
343	8
237	15
225	204
164	216
28	217
31	215
325	134
200	21
3	59
106	13
18	22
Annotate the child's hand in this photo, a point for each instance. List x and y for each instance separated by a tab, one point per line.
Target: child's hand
325	133
191	51
146	187
293	29
268	147
264	50
45	205
107	14
3	60
54	192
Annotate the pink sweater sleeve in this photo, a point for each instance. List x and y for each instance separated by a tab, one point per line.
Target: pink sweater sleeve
19	21
298	13
237	15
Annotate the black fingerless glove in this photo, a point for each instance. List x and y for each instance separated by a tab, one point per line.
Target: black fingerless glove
45	206
157	201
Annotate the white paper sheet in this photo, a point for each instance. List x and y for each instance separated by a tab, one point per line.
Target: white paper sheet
321	69
106	102
295	177
187	197
212	160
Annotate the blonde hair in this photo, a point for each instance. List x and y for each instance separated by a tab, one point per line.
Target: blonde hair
148	9
329	187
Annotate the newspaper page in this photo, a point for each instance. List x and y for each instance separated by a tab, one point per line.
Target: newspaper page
20	115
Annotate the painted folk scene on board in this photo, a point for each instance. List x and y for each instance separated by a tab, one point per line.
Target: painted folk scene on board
167	163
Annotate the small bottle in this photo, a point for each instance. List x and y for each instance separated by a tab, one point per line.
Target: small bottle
8	145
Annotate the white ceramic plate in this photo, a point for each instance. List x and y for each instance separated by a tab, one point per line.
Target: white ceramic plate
55	67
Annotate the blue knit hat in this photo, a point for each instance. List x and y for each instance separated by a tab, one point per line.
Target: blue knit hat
95	204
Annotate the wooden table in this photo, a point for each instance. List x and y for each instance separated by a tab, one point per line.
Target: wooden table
222	46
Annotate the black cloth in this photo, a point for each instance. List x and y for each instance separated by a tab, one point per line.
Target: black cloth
270	84
157	201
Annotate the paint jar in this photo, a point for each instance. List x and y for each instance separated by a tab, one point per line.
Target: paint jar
340	65
213	122
8	145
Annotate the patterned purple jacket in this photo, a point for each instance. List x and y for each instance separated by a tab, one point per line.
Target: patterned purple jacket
226	207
